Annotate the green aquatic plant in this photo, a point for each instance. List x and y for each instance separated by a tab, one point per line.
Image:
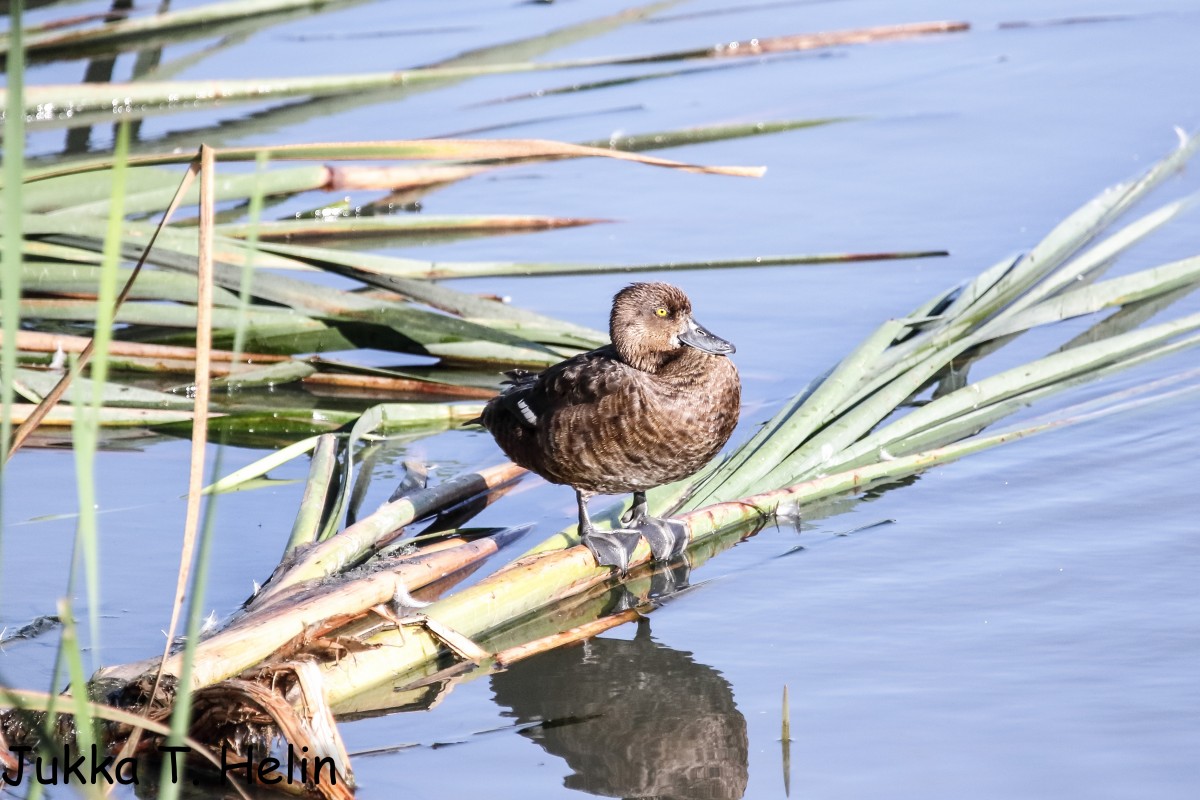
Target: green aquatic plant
278	316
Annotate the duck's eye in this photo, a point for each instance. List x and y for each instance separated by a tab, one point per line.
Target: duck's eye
661	312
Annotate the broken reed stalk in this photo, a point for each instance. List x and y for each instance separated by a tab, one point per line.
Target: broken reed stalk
281	628
204	286
321	473
579	633
371	534
785	733
536	581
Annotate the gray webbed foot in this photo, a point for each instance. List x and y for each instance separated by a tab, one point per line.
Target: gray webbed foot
612	548
667	537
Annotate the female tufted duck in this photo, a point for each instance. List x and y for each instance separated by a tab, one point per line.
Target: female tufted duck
652	407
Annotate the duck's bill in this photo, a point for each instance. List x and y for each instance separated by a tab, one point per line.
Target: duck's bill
697	336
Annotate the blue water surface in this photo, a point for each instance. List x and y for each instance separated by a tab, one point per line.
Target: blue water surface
1026	626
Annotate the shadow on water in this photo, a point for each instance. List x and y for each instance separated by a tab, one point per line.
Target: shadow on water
638	718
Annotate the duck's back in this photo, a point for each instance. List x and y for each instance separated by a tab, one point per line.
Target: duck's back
601	425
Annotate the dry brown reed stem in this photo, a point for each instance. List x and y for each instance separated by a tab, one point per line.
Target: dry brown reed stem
346	178
797	42
481	150
286	626
370	534
577	634
294	229
112	15
173	358
786	724
38	342
814	41
206	164
204	298
382	383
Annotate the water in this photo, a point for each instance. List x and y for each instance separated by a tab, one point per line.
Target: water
1026	626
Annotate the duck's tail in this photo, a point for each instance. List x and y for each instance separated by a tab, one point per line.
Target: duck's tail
518	380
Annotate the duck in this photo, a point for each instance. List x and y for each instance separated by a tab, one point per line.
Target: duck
652	407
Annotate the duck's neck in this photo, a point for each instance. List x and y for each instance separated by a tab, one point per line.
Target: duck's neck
684	366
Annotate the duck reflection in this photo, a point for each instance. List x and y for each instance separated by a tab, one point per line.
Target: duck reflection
632	719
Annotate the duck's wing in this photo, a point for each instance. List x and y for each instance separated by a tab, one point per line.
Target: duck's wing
578	381
514	398
584	379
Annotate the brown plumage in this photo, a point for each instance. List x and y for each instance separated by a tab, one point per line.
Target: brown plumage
653	407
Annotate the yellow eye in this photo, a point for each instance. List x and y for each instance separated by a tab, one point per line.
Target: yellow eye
660	311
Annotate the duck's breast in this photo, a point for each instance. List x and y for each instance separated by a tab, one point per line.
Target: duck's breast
640	431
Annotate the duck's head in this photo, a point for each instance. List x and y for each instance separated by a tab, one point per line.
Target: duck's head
652	324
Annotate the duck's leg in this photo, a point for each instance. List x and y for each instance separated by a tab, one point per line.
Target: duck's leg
637	510
612	548
667	537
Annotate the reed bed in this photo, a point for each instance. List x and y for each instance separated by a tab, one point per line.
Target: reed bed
341	616
285	316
